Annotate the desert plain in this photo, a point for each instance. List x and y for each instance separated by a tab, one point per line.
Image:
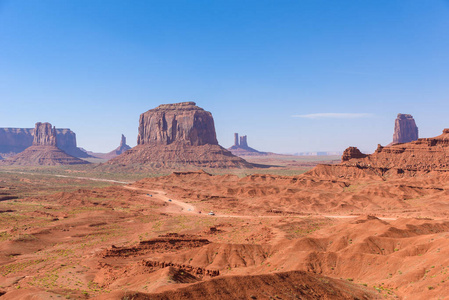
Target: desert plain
271	236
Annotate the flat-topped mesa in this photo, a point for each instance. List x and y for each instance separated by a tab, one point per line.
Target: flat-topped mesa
180	122
352	152
15	140
44	135
177	136
43	151
405	129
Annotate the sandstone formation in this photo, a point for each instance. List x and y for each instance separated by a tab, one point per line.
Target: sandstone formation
181	122
405	129
44	135
43	150
176	136
114	153
66	141
352	152
243	141
404	160
241	148
15	140
122	147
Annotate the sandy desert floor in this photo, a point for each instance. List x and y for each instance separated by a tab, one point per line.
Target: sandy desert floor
308	236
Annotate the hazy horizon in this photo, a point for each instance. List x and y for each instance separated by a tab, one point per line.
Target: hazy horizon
294	76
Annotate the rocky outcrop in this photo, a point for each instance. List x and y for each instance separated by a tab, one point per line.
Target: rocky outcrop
43	150
116	152
15	140
405	129
406	159
244	141
66	141
352	152
44	135
123	146
241	148
181	122
178	136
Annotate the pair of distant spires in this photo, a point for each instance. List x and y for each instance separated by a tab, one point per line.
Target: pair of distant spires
243	140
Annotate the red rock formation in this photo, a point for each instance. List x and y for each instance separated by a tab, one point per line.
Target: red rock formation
116	152
178	136
170	123
242	148
44	135
15	140
66	141
352	152
44	150
243	141
407	159
405	129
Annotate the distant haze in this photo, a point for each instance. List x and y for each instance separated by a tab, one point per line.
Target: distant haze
294	76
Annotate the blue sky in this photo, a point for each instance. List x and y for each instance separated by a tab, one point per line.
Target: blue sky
261	67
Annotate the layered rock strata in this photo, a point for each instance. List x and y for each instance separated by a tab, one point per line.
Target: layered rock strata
44	135
181	122
176	136
406	159
44	150
15	140
352	152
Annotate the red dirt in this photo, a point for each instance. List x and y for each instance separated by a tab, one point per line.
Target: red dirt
337	232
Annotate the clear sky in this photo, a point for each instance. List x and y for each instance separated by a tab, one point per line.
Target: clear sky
293	75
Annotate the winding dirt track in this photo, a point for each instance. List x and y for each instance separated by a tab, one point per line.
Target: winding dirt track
67	176
187	208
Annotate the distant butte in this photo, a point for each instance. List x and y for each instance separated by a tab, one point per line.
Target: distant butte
43	150
405	129
178	135
114	153
15	140
404	160
241	148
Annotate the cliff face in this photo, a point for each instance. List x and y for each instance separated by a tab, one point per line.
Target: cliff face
44	135
352	152
178	136
15	140
422	156
405	129
180	122
66	141
43	151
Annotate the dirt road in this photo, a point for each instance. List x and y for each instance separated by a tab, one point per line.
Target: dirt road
187	208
